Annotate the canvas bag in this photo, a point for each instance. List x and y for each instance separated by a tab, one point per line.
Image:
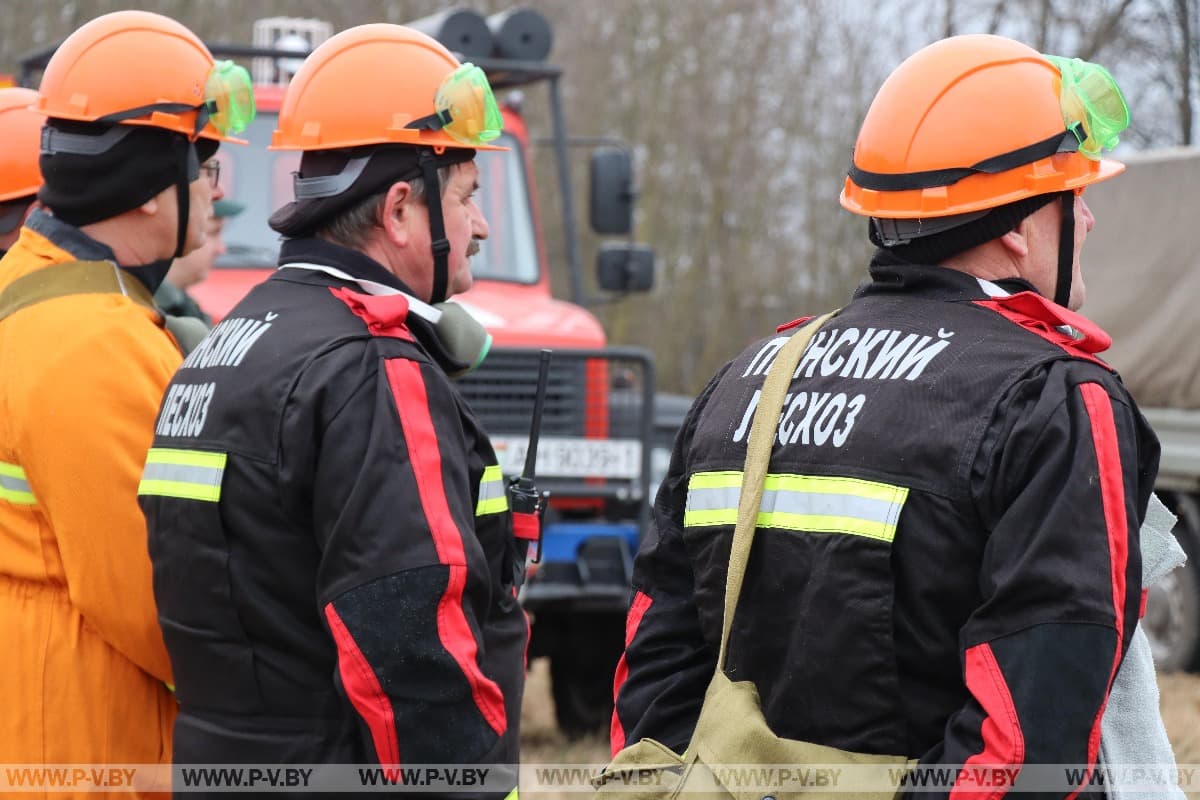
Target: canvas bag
732	730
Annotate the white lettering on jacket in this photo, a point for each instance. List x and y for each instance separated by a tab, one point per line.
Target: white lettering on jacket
185	409
227	344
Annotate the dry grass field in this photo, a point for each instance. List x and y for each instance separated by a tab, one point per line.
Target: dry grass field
541	743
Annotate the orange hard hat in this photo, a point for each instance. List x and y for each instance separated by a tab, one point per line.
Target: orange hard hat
127	61
966	124
20	139
368	85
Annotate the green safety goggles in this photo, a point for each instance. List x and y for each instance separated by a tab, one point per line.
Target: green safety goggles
1092	104
229	97
465	108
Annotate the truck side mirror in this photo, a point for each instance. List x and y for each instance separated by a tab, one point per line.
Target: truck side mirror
625	267
612	192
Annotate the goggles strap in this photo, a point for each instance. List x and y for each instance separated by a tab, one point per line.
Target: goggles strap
203	113
904	181
1066	250
434	122
437	225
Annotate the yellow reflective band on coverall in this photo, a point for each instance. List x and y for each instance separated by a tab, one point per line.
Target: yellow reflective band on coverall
14	487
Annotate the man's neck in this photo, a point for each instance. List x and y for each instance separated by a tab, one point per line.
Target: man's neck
989	261
132	244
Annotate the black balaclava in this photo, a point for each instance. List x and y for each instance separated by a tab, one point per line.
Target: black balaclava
94	172
995	223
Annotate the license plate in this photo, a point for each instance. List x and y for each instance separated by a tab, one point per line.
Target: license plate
565	457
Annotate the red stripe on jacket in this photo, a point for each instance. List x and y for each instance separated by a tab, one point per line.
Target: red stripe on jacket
1112	494
1003	741
637	610
412	401
365	693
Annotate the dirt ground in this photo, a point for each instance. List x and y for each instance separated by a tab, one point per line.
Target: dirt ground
541	743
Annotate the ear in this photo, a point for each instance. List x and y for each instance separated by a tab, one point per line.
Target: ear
1016	241
397	214
155	205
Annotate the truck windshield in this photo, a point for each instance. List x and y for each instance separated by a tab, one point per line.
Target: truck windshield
262	181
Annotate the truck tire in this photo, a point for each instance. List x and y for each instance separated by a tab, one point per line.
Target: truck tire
1172	621
581	674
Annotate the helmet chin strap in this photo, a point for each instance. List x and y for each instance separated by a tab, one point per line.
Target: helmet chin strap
1066	250
437	226
188	166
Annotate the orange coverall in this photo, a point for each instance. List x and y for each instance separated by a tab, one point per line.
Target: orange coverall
84	669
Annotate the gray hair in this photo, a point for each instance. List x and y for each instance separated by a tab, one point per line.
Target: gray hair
352	227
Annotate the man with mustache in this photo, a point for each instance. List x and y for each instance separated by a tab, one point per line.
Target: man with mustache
334	558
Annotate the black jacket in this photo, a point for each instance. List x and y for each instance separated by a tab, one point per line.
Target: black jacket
949	566
334	562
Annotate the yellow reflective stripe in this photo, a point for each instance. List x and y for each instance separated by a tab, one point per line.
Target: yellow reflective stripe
493	506
187	458
492	497
514	794
717	516
815	503
820	523
715	480
868	490
180	489
14	486
187	474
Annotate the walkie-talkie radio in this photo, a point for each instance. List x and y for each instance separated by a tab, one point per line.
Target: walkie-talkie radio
523	495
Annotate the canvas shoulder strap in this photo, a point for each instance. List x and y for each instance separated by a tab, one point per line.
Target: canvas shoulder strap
758	456
71	278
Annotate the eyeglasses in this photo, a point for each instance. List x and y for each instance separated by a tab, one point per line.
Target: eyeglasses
212	168
465	108
1092	104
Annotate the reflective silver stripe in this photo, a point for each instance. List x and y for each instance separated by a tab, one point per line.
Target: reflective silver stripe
182	473
14	487
838	505
699	499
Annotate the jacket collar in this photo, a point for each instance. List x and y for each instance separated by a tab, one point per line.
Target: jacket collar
68	237
891	275
352	262
319	251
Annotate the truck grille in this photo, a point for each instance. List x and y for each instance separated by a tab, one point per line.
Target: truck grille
501	392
